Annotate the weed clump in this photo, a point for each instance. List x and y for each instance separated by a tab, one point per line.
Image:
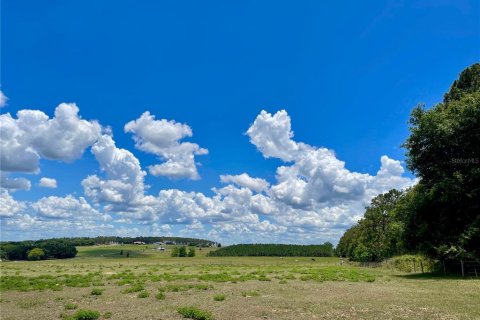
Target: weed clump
70	306
96	292
219	297
160	295
195	313
143	294
86	315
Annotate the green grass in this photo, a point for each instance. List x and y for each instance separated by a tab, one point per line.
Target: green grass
70	306
195	313
86	315
96	292
219	297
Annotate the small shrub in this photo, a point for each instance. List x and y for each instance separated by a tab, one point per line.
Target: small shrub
219	297
174	252
143	294
191	252
160	295
70	306
96	292
107	315
86	315
182	251
195	313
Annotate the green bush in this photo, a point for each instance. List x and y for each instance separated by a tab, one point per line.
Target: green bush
86	315
174	252
96	292
191	252
143	294
195	313
182	251
219	297
36	254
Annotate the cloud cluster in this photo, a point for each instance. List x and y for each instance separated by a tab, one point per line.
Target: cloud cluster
314	196
33	135
162	138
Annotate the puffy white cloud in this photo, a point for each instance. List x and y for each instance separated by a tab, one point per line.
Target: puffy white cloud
48	183
272	135
244	180
13	184
64	207
3	99
162	138
33	135
123	186
9	206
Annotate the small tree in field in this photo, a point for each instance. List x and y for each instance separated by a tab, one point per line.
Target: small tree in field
36	254
182	252
191	252
174	252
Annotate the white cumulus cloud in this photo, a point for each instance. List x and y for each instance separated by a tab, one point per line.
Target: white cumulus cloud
162	138
48	183
244	180
123	185
33	135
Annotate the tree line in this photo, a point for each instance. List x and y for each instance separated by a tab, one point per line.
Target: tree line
440	216
275	250
37	250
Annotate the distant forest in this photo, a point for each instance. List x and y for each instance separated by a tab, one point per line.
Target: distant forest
61	248
275	250
439	217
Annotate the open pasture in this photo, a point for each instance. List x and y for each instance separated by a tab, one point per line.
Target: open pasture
150	284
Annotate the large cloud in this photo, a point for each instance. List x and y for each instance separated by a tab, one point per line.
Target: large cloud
123	186
33	135
13	184
162	138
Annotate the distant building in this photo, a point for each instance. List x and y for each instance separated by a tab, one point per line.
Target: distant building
138	242
161	248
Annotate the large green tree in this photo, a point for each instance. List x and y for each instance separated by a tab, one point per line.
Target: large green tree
379	234
442	213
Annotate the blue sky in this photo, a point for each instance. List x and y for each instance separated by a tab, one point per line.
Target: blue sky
346	74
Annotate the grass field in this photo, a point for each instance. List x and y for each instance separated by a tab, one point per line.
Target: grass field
152	285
